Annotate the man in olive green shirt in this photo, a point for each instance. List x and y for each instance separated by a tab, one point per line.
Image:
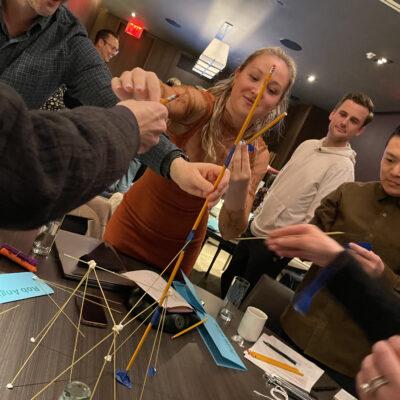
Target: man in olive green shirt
365	212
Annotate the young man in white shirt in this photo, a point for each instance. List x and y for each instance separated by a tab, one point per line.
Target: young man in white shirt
316	168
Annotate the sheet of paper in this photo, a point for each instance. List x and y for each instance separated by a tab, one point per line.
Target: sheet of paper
343	395
21	285
217	343
154	285
311	372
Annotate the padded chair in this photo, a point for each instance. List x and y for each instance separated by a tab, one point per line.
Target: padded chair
271	297
90	219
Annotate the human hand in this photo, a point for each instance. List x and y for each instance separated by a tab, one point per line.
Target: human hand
304	241
137	84
150	116
371	263
384	363
198	179
240	178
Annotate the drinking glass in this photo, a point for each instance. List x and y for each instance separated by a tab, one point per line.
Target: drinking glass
233	298
45	238
76	390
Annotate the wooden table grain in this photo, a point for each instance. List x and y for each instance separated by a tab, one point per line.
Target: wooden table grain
185	368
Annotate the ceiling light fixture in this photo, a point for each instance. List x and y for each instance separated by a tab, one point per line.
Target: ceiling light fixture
214	57
370	55
133	15
379	60
311	78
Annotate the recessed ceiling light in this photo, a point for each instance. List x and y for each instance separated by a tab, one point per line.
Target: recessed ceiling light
290	44
311	78
173	23
133	15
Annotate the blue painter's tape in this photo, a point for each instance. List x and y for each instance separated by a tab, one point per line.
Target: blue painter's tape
302	300
366	245
156	316
230	155
190	236
123	378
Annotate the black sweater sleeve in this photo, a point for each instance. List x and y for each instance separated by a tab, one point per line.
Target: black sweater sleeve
369	303
52	162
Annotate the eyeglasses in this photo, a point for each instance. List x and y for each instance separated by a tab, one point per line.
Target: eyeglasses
113	48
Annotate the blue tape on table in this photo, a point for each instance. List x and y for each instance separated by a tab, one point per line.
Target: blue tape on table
302	300
123	378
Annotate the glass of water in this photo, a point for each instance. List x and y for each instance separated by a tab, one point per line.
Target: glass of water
234	297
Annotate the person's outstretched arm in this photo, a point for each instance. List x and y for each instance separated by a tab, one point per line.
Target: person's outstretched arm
51	163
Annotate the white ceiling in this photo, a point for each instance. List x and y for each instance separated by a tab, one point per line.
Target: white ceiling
334	35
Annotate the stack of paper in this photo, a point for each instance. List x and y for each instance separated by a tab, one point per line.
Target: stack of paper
311	372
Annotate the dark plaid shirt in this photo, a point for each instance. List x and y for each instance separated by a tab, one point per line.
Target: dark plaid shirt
54	50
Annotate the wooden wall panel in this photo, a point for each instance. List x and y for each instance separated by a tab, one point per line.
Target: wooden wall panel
85	10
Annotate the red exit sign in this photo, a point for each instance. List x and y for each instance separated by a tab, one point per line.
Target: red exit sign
134	29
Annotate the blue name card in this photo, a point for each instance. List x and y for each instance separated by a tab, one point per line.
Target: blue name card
21	285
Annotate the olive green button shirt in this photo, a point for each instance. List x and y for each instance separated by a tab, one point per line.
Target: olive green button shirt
366	214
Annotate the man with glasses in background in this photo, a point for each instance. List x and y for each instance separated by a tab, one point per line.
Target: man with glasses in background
107	44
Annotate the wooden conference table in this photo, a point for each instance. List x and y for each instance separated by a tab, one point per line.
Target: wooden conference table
185	368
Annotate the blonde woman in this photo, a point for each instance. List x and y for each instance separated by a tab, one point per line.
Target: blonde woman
155	216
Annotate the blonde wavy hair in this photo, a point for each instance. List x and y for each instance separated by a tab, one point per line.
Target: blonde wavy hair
211	131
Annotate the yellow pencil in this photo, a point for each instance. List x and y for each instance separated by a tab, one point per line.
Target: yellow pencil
274	362
270	125
169	99
190	328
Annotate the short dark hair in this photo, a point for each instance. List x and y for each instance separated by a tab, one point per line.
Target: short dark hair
363	100
103	34
396	132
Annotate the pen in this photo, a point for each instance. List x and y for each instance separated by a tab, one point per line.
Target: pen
324	388
190	328
281	353
274	362
169	99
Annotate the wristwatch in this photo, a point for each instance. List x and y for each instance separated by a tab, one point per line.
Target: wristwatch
167	161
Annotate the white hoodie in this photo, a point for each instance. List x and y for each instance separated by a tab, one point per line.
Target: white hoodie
312	172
